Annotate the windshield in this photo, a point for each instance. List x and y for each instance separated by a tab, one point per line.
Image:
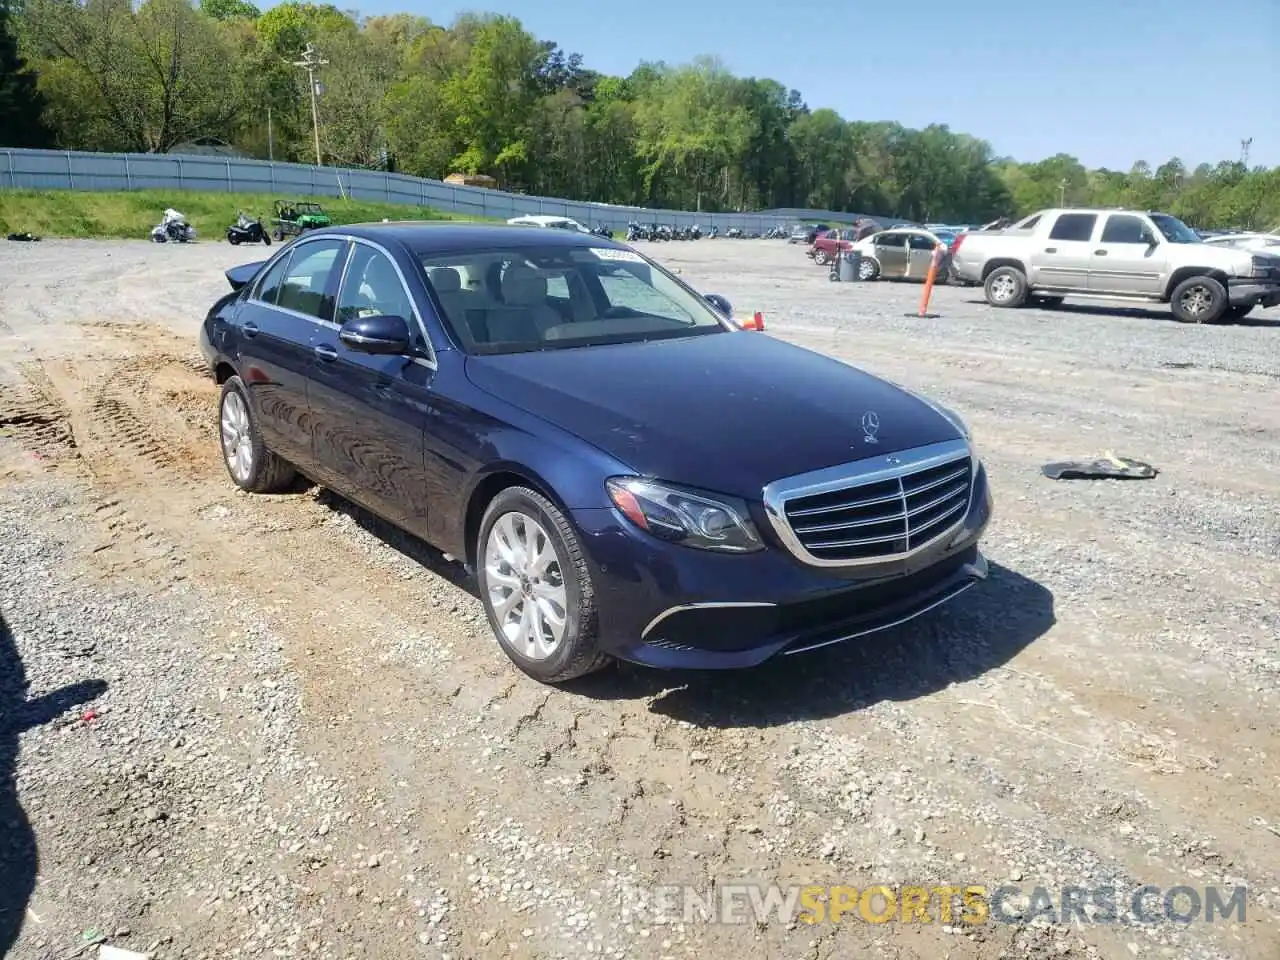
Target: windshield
554	297
1174	230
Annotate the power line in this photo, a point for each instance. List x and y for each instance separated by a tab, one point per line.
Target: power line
311	62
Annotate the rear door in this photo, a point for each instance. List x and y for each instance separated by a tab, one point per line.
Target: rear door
370	411
892	253
1129	257
275	347
1063	258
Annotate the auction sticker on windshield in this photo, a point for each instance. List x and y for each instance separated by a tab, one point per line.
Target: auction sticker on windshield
608	253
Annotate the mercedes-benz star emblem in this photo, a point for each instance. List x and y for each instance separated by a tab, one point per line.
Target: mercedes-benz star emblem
870	426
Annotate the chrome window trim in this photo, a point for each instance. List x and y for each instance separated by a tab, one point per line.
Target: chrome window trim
429	362
859	473
714	605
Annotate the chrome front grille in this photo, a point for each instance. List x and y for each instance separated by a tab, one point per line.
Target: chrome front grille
881	508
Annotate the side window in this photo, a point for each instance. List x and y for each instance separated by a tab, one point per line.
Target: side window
1125	228
626	291
918	241
558	286
372	287
891	240
269	285
1029	224
307	278
1073	226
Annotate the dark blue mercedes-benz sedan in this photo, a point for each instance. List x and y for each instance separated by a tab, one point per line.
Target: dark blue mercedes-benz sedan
627	472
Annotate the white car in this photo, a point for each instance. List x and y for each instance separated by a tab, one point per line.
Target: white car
555	223
903	253
1255	242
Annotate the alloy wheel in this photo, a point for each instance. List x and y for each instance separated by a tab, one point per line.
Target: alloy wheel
525	582
237	442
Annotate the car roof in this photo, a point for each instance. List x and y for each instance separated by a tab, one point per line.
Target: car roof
451	235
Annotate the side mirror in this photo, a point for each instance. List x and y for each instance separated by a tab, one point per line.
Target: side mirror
720	303
379	334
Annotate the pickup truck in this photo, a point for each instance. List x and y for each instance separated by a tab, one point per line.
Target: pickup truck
1121	255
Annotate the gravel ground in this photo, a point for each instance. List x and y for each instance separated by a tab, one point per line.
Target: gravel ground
271	727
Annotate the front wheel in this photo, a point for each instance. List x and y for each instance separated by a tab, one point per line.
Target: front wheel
820	257
1006	287
536	587
1199	300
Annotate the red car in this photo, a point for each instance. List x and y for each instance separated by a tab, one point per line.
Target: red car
824	247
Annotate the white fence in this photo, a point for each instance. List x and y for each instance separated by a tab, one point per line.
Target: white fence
71	170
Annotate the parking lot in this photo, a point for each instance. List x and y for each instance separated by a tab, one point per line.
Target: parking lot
308	745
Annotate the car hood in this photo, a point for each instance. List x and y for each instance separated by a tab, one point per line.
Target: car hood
724	412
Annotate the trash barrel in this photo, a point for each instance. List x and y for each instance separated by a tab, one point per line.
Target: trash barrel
849	265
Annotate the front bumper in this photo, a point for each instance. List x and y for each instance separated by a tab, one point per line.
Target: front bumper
1253	293
669	606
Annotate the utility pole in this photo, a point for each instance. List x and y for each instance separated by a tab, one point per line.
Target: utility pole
1062	193
311	62
271	138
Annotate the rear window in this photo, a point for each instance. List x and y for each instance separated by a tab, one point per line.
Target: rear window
1073	226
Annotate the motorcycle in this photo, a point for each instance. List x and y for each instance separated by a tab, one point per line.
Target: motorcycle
600	230
245	230
636	232
174	227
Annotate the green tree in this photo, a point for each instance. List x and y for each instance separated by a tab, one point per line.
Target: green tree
21	105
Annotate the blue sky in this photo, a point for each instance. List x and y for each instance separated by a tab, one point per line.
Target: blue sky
1111	81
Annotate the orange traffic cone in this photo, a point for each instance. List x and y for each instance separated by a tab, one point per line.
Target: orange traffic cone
934	262
755	323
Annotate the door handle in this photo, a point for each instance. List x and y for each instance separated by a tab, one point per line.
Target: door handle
326	353
1050	249
250	329
1099	253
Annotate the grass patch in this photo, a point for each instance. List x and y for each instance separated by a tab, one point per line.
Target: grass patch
132	213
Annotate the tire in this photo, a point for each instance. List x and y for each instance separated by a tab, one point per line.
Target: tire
260	470
566	580
868	269
233	239
820	257
1235	314
1048	303
266	239
1199	300
1006	287
279	234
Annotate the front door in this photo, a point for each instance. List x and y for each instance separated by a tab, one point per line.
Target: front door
1128	259
370	411
1062	260
920	255
891	252
276	342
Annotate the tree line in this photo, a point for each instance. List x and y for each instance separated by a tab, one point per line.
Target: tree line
485	96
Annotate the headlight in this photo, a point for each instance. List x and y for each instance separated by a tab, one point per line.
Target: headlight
679	515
